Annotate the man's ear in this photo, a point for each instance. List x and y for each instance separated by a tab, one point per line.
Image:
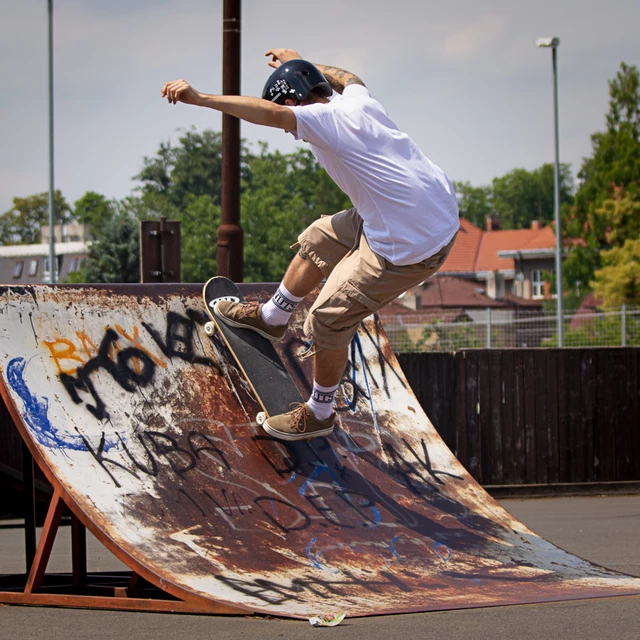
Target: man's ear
290	102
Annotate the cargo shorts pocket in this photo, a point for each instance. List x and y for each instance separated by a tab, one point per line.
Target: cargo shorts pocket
345	308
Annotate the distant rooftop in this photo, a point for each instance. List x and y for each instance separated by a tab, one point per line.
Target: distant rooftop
477	251
38	250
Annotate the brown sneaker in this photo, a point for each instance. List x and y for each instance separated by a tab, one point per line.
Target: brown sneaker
246	315
298	424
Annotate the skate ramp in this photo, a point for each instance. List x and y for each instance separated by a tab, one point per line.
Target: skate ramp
144	425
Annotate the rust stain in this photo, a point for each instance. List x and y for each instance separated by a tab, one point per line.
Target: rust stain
149	427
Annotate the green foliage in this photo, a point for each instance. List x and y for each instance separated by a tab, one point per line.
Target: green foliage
400	339
115	252
474	203
604	330
77	277
605	211
452	336
618	282
199	236
175	174
619	219
282	195
22	223
520	196
94	209
615	160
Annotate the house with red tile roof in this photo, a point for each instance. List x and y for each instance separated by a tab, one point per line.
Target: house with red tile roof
505	261
447	301
493	276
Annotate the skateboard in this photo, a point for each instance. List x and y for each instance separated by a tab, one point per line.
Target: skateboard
254	355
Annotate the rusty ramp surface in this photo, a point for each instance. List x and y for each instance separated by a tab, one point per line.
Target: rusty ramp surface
148	430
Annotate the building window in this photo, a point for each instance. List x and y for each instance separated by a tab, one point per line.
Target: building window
75	264
46	272
33	267
17	268
537	284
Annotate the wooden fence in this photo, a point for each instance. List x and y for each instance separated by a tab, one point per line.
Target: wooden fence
535	416
511	416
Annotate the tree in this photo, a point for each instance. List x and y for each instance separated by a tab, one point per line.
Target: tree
474	203
610	174
281	196
199	236
618	281
115	252
22	223
615	159
94	209
520	196
192	168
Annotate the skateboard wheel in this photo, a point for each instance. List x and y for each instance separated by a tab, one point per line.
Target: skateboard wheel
210	329
261	417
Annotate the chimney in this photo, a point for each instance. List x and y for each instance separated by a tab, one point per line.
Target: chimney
411	301
536	225
493	223
496	285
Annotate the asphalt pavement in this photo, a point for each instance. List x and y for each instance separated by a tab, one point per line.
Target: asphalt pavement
603	529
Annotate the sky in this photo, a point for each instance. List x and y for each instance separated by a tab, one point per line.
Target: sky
463	78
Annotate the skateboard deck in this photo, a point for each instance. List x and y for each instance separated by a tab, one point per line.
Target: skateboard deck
254	355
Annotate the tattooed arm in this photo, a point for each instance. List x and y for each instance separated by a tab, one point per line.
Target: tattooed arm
337	78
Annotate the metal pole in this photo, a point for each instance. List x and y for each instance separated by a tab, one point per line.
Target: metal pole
488	328
29	503
556	181
230	234
52	240
623	313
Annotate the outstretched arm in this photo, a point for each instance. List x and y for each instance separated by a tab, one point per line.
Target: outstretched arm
254	110
337	78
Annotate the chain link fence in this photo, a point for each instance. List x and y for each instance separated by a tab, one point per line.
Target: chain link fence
487	328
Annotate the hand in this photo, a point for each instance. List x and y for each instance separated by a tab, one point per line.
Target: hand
280	56
179	91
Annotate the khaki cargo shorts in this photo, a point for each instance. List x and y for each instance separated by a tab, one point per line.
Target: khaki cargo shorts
359	281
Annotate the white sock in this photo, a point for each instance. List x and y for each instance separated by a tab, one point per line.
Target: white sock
321	400
278	310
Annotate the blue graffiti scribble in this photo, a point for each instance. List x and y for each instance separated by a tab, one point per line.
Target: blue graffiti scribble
356	343
313	557
392	546
319	469
444	551
36	410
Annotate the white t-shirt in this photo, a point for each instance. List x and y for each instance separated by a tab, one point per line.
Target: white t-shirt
407	203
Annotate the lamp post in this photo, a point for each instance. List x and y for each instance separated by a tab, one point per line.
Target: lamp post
553	44
52	250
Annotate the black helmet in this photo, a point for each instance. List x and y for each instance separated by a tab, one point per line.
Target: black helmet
294	79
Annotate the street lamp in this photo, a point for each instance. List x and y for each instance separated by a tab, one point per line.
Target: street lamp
52	240
553	44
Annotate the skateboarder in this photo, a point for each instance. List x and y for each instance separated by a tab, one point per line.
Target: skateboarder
398	234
